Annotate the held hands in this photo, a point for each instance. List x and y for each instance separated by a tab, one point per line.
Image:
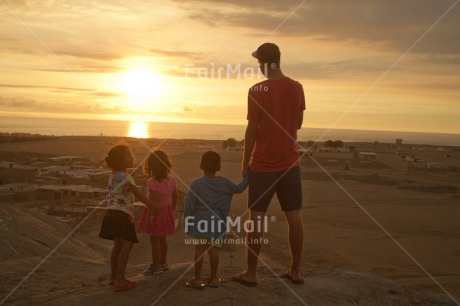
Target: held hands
150	223
244	171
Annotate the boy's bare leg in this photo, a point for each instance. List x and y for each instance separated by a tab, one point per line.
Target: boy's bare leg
253	245
163	250
155	242
114	257
123	257
198	264
214	263
294	220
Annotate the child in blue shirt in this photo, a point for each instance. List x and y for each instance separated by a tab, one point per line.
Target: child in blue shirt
205	215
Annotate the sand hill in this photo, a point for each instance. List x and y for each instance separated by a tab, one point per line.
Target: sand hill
76	274
348	259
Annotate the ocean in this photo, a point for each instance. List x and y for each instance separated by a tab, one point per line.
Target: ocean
174	130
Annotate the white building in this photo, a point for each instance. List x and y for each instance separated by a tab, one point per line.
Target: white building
17	187
368	155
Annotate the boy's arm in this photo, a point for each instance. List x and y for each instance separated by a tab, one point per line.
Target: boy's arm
190	203
234	188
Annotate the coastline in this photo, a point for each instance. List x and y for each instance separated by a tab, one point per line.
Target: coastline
176	130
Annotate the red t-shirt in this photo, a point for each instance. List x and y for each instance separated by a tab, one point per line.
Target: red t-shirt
275	105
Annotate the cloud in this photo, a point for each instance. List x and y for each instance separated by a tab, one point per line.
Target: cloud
16	5
95	47
452	87
185	54
45	87
331	69
25	104
81	53
107	94
301	70
86	91
388	25
59	7
448	60
85	69
18	103
259	5
89	30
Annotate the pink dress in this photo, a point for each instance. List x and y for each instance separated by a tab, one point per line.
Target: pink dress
164	221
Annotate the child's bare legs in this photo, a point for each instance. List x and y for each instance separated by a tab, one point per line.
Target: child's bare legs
114	258
155	241
122	260
163	250
214	263
199	254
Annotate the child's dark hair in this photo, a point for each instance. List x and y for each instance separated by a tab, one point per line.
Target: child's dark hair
114	158
210	161
157	165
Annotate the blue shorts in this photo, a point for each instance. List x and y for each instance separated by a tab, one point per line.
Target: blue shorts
286	184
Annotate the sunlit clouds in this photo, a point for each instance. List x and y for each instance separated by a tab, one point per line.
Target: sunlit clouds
148	61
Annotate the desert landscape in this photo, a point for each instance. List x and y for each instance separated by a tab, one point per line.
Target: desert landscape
378	231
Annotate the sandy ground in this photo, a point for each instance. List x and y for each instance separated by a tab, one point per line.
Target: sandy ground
367	241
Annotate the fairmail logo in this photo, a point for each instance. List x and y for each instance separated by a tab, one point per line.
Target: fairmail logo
219	225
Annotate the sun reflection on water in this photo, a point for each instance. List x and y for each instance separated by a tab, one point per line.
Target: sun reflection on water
138	130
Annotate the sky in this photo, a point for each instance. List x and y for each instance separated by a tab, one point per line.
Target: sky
364	64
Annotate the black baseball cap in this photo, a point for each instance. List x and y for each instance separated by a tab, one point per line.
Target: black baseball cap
267	53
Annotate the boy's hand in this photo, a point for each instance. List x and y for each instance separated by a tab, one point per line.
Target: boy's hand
244	170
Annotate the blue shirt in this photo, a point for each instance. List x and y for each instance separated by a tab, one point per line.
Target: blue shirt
208	203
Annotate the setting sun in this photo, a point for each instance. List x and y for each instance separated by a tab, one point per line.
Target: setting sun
141	87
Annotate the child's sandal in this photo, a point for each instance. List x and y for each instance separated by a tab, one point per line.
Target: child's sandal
153	270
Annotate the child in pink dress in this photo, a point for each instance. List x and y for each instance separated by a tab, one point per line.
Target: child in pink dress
161	190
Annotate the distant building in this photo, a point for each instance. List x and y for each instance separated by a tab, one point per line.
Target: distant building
237	148
333	150
202	148
69	158
59	191
16	165
401	154
17	187
368	155
17	192
437	166
415	159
